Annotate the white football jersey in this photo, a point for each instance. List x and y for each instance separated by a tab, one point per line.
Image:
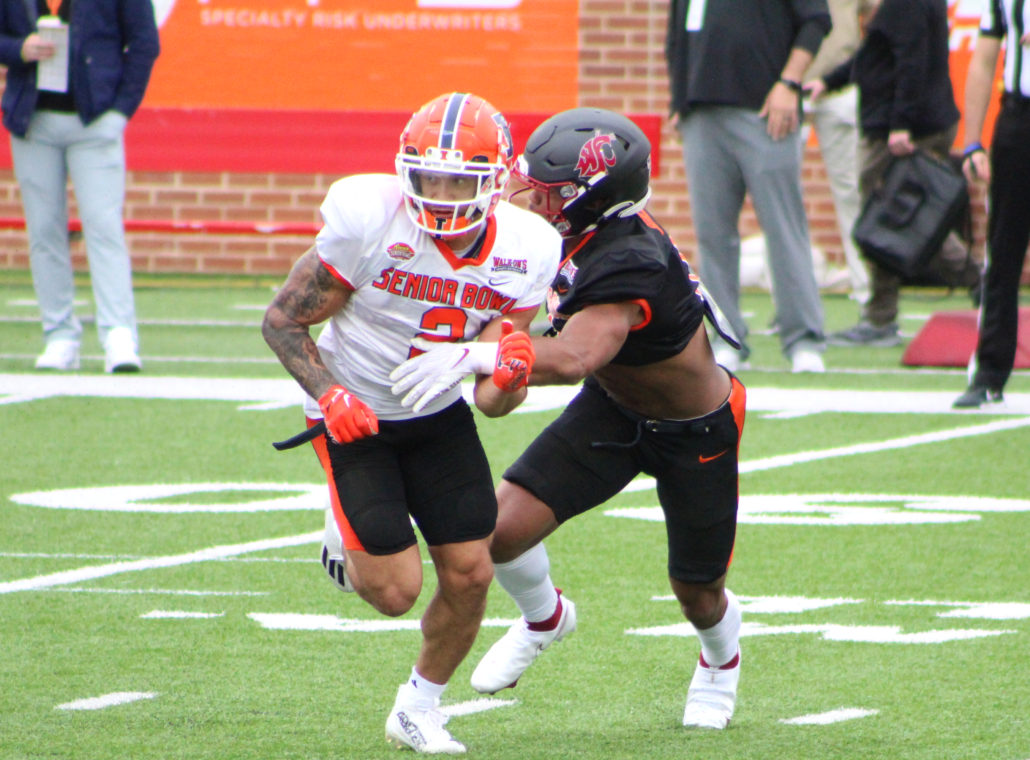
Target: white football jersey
405	284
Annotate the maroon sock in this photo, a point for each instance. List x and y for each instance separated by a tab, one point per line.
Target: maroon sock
728	666
551	623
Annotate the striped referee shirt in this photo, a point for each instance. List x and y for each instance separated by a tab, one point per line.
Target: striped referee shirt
1009	20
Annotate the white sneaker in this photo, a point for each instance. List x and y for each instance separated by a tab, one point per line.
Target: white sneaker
120	351
59	354
333	559
807	360
508	659
420	729
712	696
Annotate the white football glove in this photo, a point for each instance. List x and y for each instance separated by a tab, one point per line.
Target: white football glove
426	377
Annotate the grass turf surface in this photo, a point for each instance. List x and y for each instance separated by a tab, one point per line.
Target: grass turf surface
848	605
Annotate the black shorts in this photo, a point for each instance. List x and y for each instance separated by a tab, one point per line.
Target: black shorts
594	448
432	469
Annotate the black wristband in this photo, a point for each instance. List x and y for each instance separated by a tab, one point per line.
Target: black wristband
972	148
793	84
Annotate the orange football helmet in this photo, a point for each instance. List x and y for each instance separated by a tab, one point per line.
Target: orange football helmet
454	162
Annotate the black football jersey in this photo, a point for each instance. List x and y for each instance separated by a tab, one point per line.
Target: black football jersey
633	259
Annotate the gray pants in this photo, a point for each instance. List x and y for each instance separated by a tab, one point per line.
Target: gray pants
727	154
57	146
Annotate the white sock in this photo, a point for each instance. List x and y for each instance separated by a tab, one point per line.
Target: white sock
527	580
421	692
720	643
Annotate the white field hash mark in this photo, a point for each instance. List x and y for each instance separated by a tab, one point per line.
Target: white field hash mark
107	700
833	716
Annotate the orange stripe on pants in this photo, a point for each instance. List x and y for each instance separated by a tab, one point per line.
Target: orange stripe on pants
350	538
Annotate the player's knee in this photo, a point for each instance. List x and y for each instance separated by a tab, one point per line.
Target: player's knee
392	600
702	605
470	581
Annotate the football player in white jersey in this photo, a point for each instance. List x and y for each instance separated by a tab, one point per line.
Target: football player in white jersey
426	256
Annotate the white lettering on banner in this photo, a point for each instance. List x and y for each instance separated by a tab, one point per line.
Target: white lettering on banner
291	18
334	20
472	22
248	17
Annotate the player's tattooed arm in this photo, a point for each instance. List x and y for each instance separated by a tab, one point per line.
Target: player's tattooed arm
310	295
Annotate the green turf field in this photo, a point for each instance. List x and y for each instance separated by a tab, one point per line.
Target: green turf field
160	594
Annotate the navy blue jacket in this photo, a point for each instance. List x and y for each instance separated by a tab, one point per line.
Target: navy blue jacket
113	46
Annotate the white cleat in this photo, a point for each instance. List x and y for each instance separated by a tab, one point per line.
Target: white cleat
60	354
120	351
807	360
508	659
410	727
333	559
712	696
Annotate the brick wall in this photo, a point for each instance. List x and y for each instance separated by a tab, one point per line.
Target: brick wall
622	67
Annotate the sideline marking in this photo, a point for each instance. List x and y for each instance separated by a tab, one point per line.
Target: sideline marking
107	700
826	718
66	577
476	706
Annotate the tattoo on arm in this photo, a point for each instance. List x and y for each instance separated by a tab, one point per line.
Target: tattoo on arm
310	295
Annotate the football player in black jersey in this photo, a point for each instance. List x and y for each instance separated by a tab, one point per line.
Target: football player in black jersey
627	318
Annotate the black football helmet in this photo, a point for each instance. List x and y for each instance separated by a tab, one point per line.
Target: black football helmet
599	162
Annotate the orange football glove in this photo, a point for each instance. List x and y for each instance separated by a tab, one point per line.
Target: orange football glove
347	418
515	357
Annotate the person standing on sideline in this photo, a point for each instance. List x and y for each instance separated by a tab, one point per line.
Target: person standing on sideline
430	256
70	122
629	318
906	102
1007	172
735	72
835	120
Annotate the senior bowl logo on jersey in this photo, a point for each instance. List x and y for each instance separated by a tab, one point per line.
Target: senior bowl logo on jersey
400	251
596	155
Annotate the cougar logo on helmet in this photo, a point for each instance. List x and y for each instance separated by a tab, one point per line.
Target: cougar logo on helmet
596	155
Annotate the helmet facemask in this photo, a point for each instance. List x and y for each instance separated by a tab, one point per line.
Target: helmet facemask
557	196
423	178
454	163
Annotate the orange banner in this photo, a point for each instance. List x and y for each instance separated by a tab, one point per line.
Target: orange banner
965	21
365	54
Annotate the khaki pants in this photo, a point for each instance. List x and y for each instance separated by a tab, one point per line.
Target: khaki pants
952	262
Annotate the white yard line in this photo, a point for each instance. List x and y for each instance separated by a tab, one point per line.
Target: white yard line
891	444
107	700
274	393
78	575
826	718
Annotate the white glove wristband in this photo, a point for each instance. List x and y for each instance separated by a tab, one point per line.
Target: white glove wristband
426	377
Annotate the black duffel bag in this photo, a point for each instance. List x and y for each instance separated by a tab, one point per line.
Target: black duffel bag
908	216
